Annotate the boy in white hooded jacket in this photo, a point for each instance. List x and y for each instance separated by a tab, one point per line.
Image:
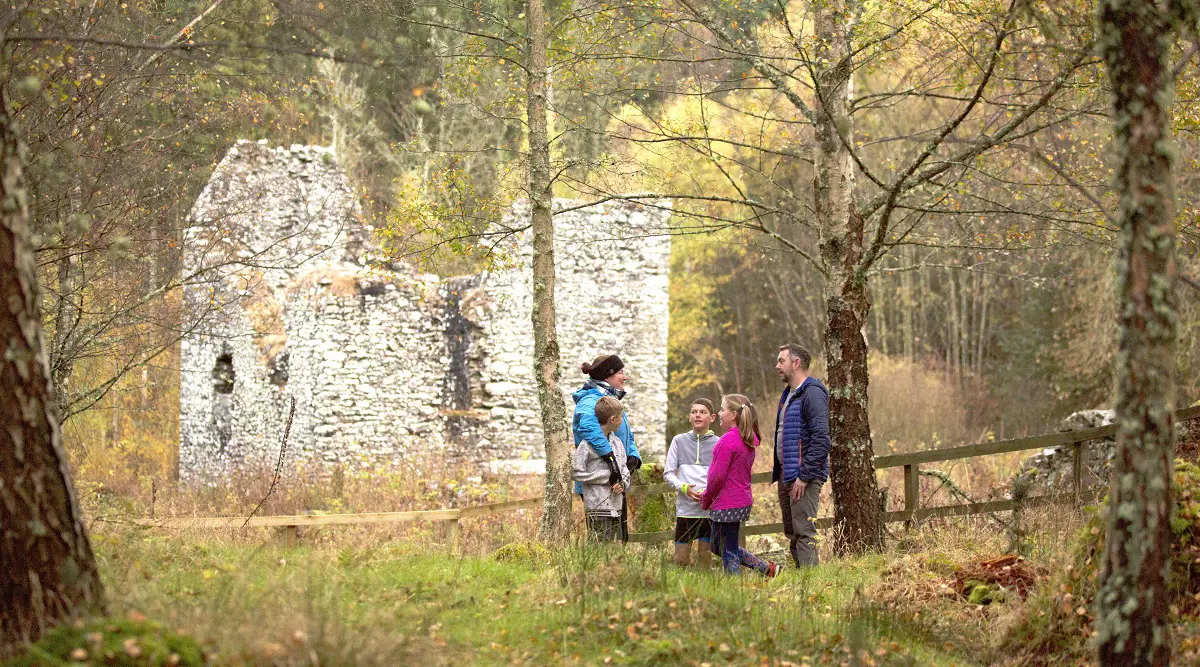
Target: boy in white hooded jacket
686	471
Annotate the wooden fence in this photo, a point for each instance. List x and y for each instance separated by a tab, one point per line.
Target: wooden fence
911	463
291	524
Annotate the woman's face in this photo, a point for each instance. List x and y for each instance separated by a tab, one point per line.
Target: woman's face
728	417
617	380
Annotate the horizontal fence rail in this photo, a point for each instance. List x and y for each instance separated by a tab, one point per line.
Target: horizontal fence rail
912	512
291	523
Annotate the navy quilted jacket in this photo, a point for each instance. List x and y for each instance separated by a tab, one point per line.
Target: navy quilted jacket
805	419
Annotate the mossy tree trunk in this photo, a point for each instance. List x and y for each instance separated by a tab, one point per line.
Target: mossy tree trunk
556	515
47	569
857	510
1132	607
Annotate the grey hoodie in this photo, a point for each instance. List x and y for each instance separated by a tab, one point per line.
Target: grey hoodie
688	459
592	471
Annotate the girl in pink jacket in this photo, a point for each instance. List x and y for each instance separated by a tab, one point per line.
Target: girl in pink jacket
727	496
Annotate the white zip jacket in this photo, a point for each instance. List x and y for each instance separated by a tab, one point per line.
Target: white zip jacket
688	459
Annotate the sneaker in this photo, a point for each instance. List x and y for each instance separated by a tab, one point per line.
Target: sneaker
773	570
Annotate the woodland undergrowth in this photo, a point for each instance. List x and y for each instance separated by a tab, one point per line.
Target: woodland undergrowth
948	591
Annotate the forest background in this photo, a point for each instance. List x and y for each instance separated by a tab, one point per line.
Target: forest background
992	316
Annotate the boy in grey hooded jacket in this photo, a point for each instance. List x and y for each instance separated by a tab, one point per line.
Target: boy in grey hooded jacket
603	484
686	471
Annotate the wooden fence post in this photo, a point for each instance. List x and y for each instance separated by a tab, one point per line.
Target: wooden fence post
455	537
1077	471
291	536
912	492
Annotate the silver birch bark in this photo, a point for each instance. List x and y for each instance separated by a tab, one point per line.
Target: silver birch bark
556	514
857	508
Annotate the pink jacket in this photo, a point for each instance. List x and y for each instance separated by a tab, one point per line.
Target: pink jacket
729	475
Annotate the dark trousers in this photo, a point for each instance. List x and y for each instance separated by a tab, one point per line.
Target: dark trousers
798	523
622	530
624	518
724	545
604	528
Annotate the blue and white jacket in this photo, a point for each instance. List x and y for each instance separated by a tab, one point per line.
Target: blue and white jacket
585	426
802	427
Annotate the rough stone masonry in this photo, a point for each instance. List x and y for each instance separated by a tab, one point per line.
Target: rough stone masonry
387	363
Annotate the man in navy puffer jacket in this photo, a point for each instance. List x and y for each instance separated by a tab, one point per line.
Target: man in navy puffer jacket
801	450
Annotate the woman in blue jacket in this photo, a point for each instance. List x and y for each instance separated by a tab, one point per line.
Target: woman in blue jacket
606	377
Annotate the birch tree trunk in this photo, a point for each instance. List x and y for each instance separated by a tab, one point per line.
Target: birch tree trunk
857	509
1132	607
556	514
908	303
47	569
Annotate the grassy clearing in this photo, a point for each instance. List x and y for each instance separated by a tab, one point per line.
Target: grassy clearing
369	603
392	594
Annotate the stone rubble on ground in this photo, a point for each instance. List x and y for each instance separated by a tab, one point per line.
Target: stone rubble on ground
1052	470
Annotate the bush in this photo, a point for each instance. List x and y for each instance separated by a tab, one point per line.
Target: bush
1185	525
120	642
1058	620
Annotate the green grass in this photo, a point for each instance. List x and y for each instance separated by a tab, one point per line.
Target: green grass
586	605
117	642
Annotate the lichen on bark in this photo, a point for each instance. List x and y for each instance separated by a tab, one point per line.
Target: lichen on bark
1134	38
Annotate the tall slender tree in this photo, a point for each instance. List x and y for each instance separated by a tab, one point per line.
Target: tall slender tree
843	244
47	569
556	515
1132	607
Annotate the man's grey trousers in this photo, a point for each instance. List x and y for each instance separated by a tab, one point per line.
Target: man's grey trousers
798	526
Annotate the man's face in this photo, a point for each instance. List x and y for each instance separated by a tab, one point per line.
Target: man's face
785	366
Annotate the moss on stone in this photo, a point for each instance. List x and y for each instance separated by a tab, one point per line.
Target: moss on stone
981	593
655	512
1049	627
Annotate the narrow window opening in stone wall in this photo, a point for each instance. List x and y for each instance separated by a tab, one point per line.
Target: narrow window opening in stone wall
460	333
463	371
277	370
222	406
222	374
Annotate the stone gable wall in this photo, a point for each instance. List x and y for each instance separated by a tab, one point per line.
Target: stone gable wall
611	297
388	363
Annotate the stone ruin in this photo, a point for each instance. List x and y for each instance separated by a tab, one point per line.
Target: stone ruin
1052	470
388	363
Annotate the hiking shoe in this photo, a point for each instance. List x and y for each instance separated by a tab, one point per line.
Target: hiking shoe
773	570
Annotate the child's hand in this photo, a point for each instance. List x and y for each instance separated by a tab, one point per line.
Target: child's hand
694	493
617	488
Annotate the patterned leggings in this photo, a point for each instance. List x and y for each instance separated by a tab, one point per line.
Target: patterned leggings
725	544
